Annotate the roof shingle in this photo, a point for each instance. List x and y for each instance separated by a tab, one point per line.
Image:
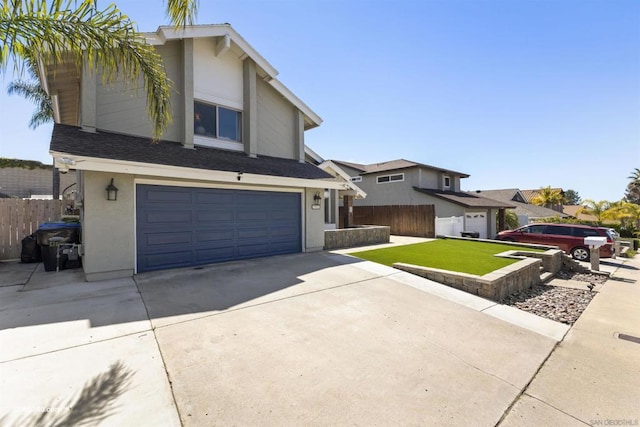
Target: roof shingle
105	145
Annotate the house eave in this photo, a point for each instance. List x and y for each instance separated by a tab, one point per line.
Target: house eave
65	161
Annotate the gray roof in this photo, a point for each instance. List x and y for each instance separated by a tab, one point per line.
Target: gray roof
466	199
394	165
105	145
507	195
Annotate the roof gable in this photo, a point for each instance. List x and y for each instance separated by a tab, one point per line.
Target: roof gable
395	165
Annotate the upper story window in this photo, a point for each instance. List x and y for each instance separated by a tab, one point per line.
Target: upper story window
356	179
390	178
447	182
214	121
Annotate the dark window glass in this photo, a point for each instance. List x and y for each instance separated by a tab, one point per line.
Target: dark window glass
535	229
558	230
399	177
204	119
229	124
383	179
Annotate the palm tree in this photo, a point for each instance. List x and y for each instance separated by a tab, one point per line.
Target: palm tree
601	210
105	39
548	197
32	91
635	175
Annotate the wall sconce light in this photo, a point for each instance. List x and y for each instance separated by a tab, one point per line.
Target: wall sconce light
316	201
112	191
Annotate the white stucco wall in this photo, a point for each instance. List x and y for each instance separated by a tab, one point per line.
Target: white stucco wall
314	221
108	226
217	79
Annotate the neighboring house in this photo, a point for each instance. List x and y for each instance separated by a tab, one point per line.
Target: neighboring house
403	182
529	195
525	211
31	179
228	181
575	211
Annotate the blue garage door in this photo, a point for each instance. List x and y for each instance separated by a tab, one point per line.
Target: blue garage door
181	226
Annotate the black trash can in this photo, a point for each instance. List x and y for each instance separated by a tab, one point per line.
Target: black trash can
64	232
30	250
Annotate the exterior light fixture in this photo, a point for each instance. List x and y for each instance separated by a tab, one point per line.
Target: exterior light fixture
316	201
112	191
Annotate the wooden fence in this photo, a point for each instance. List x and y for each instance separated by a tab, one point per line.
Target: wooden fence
404	220
20	218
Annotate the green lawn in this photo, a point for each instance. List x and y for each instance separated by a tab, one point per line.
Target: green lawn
454	255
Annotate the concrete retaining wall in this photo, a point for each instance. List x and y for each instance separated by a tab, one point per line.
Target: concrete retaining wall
358	236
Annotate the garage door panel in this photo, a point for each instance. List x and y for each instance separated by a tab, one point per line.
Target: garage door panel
167	217
209	236
173	238
183	226
215	216
167	195
168	260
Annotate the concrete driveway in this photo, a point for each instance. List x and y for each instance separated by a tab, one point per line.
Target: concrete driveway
306	339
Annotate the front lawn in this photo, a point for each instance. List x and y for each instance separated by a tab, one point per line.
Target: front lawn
463	256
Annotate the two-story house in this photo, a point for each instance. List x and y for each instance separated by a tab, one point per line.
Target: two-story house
229	179
403	182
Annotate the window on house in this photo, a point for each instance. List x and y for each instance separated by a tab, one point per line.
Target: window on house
390	178
218	122
447	181
356	179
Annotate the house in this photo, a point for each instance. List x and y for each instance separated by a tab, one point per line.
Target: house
404	182
529	195
32	179
228	181
525	211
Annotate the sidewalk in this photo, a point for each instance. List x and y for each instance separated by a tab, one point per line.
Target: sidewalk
593	376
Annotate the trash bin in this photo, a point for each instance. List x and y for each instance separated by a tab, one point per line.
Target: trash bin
473	234
30	250
60	232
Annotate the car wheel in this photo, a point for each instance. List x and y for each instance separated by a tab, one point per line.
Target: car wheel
580	253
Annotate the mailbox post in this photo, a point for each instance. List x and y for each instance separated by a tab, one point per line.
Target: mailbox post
594	243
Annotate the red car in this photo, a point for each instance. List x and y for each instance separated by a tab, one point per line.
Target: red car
568	237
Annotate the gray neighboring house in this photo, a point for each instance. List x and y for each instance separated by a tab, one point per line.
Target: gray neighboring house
404	182
229	181
32	179
526	212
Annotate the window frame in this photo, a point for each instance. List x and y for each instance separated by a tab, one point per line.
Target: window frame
217	140
444	182
389	178
356	178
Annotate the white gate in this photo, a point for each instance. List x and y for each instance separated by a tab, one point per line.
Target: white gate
450	226
476	221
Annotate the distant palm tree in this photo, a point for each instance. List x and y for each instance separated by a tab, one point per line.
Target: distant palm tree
635	175
548	197
32	91
601	210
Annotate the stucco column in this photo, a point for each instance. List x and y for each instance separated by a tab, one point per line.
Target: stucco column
250	110
187	93
502	219
348	211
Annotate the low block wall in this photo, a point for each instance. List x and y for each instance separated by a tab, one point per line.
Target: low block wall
360	235
495	285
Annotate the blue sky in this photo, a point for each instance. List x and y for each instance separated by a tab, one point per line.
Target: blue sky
516	93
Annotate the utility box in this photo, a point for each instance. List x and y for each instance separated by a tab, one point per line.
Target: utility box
595	241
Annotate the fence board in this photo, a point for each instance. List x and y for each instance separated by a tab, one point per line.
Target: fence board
404	220
19	218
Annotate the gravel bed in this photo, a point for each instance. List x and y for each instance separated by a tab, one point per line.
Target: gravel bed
556	303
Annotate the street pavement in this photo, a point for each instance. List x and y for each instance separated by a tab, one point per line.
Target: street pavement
305	339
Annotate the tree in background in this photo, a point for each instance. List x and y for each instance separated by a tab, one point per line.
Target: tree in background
632	194
601	210
32	91
548	197
106	39
571	197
